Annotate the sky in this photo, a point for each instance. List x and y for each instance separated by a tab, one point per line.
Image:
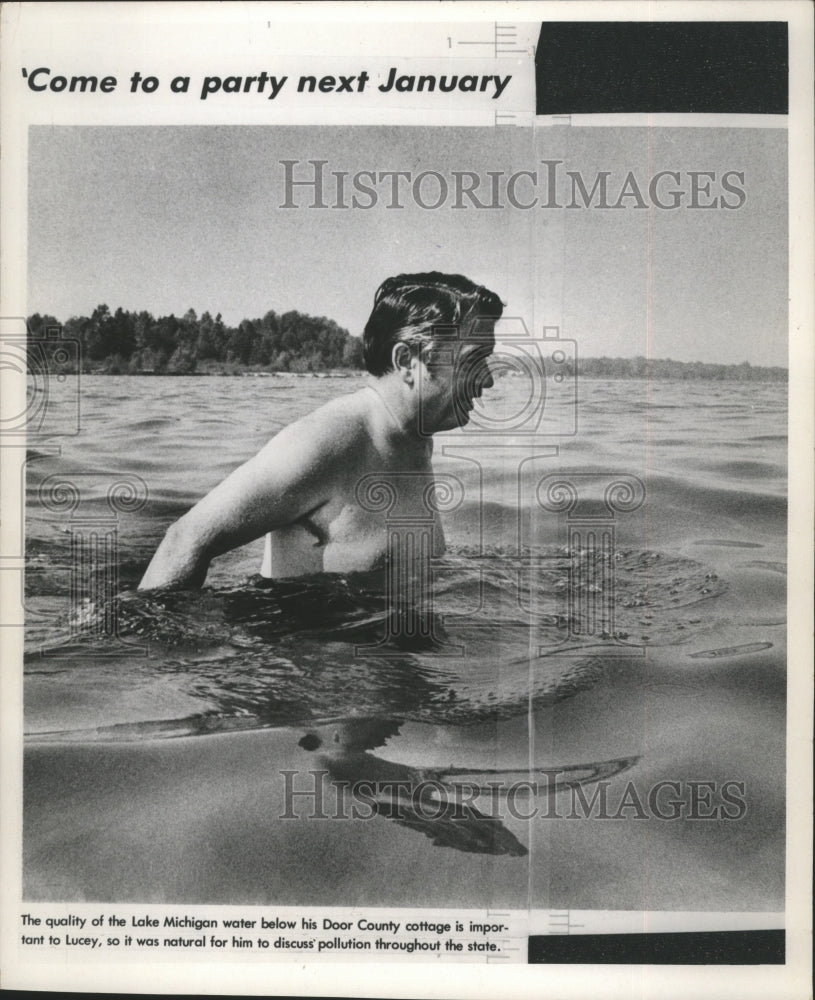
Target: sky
171	218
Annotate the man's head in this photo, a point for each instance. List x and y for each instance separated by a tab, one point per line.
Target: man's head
436	331
408	307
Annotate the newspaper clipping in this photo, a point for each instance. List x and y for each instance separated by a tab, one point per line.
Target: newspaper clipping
407	493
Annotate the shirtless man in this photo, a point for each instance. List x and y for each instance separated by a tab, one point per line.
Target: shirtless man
426	344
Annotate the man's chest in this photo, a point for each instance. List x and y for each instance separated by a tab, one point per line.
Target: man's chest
380	508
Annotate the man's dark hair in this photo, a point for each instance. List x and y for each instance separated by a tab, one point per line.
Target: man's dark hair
409	306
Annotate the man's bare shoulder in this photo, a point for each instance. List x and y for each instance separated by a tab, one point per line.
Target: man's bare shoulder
334	429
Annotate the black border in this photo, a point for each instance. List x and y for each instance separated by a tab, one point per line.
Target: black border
710	67
673	948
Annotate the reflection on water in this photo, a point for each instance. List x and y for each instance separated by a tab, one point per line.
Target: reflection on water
445	804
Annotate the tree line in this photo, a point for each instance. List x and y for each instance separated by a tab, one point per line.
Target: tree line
136	343
133	343
663	369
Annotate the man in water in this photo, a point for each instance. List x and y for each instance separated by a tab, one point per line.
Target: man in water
427	344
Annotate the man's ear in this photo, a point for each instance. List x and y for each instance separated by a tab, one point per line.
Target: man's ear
402	359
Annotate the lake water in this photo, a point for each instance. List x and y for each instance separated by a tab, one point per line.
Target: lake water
157	736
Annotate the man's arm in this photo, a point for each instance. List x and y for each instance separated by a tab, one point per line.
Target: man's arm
288	478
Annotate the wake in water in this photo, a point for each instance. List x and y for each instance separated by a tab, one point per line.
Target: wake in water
287	652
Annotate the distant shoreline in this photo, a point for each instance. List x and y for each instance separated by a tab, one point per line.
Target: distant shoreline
231	374
723	373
